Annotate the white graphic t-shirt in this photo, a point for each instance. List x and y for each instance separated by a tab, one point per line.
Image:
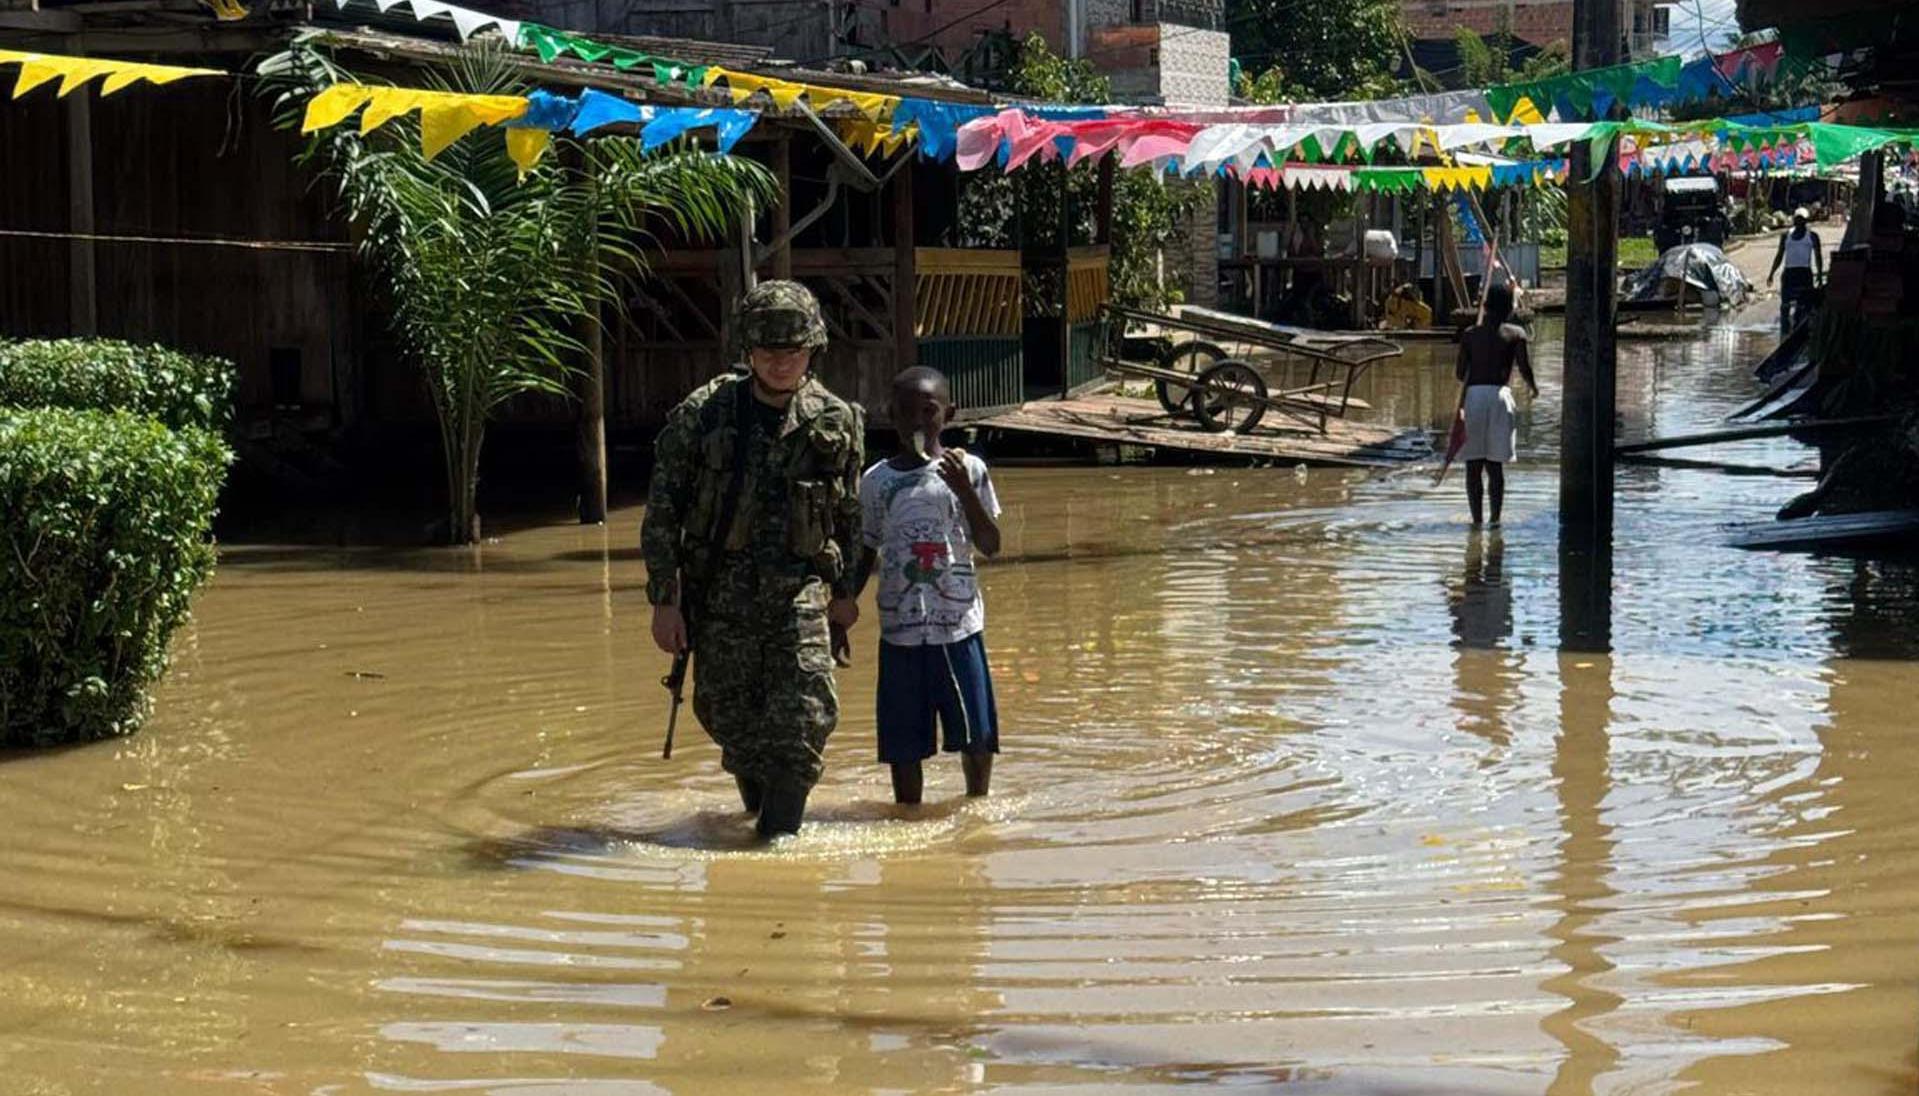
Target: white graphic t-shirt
928	592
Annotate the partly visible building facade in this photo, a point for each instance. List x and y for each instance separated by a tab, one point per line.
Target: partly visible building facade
1537	23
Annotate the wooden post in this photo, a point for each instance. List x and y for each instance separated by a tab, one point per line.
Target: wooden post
905	299
748	270
1065	281
1443	302
1872	166
590	387
782	214
83	311
592	424
1586	425
1359	260
1103	228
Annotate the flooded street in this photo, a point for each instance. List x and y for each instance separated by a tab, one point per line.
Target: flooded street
1300	794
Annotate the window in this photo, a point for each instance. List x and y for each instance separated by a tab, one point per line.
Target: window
1138	14
1152	57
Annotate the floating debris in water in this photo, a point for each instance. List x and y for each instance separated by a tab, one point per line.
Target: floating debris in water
717	1004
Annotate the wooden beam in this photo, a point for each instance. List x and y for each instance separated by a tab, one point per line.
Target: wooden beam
1747	433
905	292
1826	530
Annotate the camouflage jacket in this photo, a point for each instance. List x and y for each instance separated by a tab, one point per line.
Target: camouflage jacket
817	457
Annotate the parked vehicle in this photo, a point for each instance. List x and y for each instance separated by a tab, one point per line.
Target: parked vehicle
1690	202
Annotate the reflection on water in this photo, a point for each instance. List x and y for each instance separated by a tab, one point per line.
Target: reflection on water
1302	793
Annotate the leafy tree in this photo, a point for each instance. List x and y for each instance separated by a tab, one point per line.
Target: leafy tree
1321	49
1484	61
487	275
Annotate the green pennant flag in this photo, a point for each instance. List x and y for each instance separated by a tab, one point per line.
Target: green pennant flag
546	41
1388	180
1834	144
1576	89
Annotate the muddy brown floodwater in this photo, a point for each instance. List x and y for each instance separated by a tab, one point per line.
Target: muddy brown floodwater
1299	795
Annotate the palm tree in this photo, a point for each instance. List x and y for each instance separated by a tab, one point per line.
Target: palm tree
488	275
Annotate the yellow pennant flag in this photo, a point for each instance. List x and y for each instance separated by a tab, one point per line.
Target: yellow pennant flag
525	145
785	94
72	72
331	107
385	104
1457	178
873	104
445	116
1525	113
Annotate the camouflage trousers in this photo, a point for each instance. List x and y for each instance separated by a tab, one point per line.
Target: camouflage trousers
763	687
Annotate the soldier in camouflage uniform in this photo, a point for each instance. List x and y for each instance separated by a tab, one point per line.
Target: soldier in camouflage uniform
780	456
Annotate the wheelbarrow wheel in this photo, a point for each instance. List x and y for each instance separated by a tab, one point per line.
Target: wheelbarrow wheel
1229	397
1191	357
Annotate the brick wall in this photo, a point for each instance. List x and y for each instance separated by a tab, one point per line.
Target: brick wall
1540	22
916	20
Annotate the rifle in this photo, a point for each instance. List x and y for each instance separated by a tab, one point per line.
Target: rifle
675	682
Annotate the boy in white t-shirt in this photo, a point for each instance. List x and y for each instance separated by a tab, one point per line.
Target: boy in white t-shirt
923	511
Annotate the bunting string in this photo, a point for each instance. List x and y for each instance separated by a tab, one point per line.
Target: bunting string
72	72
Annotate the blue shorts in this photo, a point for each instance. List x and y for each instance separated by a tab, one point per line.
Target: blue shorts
949	680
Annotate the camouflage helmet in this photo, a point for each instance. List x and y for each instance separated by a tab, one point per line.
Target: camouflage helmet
781	314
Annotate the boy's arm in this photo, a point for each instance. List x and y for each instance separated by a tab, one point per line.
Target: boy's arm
872	531
979	519
1778	257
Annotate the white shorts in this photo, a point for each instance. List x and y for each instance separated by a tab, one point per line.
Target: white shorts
1490	424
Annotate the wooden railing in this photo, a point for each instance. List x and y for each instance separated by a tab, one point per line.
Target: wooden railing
1088	282
965	292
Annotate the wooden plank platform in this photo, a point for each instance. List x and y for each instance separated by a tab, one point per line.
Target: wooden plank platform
1125	421
1830	530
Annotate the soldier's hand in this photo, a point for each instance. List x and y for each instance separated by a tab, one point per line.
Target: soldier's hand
669	629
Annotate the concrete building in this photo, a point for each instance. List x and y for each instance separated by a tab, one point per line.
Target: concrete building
1538	23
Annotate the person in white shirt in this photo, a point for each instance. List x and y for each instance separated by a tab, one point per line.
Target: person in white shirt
923	512
1805	263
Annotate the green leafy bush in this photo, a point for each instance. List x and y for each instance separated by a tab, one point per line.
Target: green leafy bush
104	539
103	374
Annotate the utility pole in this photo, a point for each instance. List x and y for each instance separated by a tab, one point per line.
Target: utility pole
1592	246
1589	385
